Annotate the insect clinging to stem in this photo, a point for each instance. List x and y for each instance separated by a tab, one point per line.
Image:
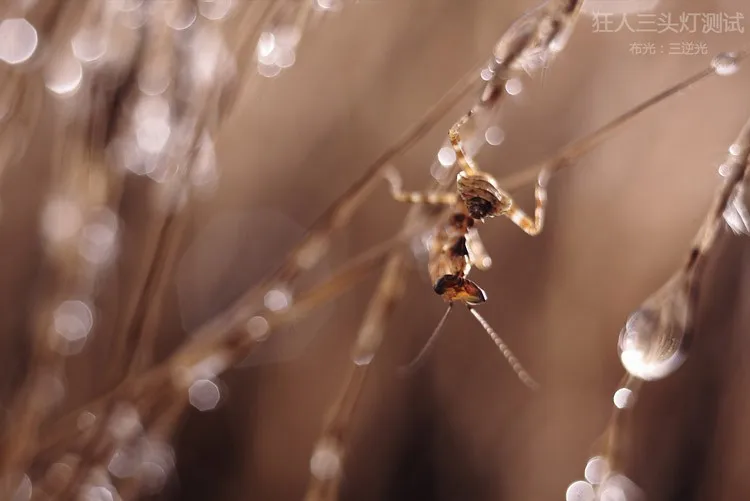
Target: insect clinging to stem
456	245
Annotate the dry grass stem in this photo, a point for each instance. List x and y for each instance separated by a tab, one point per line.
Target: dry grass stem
689	277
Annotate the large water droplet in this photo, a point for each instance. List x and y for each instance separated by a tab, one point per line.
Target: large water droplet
446	156
204	395
596	470
18	40
325	462
494	135
278	299
651	344
725	63
580	491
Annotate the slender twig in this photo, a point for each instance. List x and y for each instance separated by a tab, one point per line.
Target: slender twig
92	185
334	437
232	346
738	167
573	151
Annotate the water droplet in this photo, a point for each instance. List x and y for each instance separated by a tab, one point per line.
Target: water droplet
125	422
277	299
363	357
152	135
312	251
725	169
623	398
725	63
157	460
151	107
288	36
64	75
329	5
325	462
494	135
514	86
580	491
266	44
204	395
60	473
214	10
158	452
18	40
154	81
133	19
596	470
736	214
99	237
61	219
181	17
208	57
651	343
152	477
72	321
89	45
85	420
285	58
122	464
98	493
258	329
446	156
129	5
268	70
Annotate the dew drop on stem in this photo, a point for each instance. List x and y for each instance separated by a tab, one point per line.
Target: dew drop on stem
325	462
725	63
651	344
580	491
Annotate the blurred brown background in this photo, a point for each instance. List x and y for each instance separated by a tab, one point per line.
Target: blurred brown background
463	427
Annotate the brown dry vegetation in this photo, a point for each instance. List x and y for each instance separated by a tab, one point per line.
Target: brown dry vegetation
619	223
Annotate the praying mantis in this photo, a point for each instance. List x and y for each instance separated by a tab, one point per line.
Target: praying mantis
456	246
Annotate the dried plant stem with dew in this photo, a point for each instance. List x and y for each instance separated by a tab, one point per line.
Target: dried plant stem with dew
303	257
657	336
154	64
64	317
